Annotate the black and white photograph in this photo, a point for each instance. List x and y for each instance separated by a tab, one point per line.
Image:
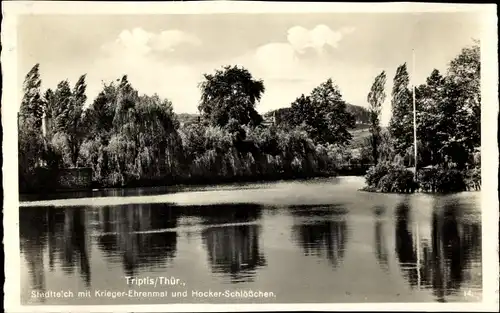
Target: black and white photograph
269	157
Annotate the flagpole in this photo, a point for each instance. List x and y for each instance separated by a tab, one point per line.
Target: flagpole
414	116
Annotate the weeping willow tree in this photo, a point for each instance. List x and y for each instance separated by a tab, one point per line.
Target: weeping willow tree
133	137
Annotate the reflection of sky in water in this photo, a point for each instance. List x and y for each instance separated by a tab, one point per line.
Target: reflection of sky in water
326	243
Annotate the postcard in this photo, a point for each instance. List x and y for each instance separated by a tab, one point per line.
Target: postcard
249	156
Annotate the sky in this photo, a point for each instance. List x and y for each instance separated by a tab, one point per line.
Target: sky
291	53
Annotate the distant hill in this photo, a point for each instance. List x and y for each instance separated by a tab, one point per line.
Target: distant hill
361	114
187	118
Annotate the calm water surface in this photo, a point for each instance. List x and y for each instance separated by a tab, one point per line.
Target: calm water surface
301	241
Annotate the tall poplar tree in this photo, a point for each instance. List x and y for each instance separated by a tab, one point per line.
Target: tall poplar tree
401	123
69	118
30	136
376	98
32	105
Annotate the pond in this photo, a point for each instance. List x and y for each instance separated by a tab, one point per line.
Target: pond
318	240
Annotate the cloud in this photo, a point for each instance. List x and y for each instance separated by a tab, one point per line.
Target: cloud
144	57
136	40
169	39
287	60
288	63
276	60
169	79
140	42
317	38
288	72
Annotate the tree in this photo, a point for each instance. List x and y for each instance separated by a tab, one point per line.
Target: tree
431	121
282	117
31	143
463	93
306	115
361	114
69	115
323	115
62	98
386	151
376	98
31	152
101	112
400	125
50	107
154	136
448	112
32	105
126	99
231	93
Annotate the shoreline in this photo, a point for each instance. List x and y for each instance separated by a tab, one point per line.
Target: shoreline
374	190
175	186
354	170
417	192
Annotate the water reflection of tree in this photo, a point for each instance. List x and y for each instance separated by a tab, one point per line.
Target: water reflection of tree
75	243
381	251
321	231
59	231
33	242
441	264
405	247
140	235
232	249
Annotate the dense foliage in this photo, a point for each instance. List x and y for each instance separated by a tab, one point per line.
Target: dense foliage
385	177
132	139
230	95
323	114
448	111
401	123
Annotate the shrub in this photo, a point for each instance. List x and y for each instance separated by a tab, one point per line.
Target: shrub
428	179
385	177
375	174
451	180
398	179
444	180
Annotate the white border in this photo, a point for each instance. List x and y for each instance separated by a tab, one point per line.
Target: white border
489	149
